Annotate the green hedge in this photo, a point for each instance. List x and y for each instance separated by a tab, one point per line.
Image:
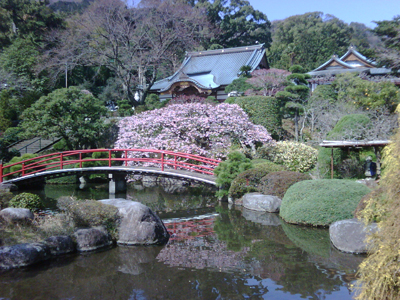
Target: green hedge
262	111
321	202
248	181
277	183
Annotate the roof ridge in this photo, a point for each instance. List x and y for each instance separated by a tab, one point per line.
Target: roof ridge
226	50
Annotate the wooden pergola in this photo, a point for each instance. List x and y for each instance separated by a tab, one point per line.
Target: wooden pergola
377	145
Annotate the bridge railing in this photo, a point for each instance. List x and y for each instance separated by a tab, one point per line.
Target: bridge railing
111	157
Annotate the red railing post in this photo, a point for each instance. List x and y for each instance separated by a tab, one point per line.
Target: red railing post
109	158
162	161
23	168
126	158
61	161
1	171
80	159
175	162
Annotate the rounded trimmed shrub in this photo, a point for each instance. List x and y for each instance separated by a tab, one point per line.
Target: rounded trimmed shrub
26	200
297	157
277	183
248	181
321	202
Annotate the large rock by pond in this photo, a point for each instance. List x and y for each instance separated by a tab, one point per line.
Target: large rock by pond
16	215
90	239
60	244
139	224
349	235
22	255
261	202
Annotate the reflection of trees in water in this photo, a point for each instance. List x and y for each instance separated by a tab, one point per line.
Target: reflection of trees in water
201	253
161	198
297	261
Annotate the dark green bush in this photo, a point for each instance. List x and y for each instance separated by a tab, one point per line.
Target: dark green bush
321	202
248	181
89	213
227	171
239	85
27	200
277	183
264	111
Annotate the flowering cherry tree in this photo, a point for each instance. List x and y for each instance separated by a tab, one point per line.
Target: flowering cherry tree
195	128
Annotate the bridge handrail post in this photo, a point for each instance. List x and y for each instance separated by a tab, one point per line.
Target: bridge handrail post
80	160
23	168
61	161
162	161
109	158
126	158
175	161
1	170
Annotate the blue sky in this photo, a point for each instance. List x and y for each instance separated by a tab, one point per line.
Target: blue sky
361	11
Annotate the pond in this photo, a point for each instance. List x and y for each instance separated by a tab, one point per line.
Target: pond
215	252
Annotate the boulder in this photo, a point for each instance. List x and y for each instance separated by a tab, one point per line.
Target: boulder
139	224
8	187
349	235
261	202
264	218
22	255
16	215
91	239
60	244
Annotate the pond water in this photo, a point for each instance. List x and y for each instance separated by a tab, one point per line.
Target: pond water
215	252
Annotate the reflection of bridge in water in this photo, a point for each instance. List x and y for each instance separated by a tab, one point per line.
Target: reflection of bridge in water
189	229
117	163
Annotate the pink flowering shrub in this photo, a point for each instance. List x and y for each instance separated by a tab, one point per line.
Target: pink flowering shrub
195	128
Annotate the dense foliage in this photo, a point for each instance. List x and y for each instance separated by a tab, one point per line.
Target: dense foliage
379	272
228	170
294	156
261	110
201	129
308	39
249	180
72	114
321	202
26	200
277	183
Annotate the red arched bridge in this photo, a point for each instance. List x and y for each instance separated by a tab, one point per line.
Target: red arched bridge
111	161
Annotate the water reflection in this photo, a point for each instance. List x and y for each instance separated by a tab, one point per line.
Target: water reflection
230	254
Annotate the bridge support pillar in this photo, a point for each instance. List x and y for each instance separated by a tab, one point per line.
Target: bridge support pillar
117	183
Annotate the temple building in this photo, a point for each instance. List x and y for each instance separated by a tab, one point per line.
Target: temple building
351	61
207	73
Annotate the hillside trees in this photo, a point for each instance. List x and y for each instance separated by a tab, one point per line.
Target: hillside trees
307	40
132	42
389	32
238	23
